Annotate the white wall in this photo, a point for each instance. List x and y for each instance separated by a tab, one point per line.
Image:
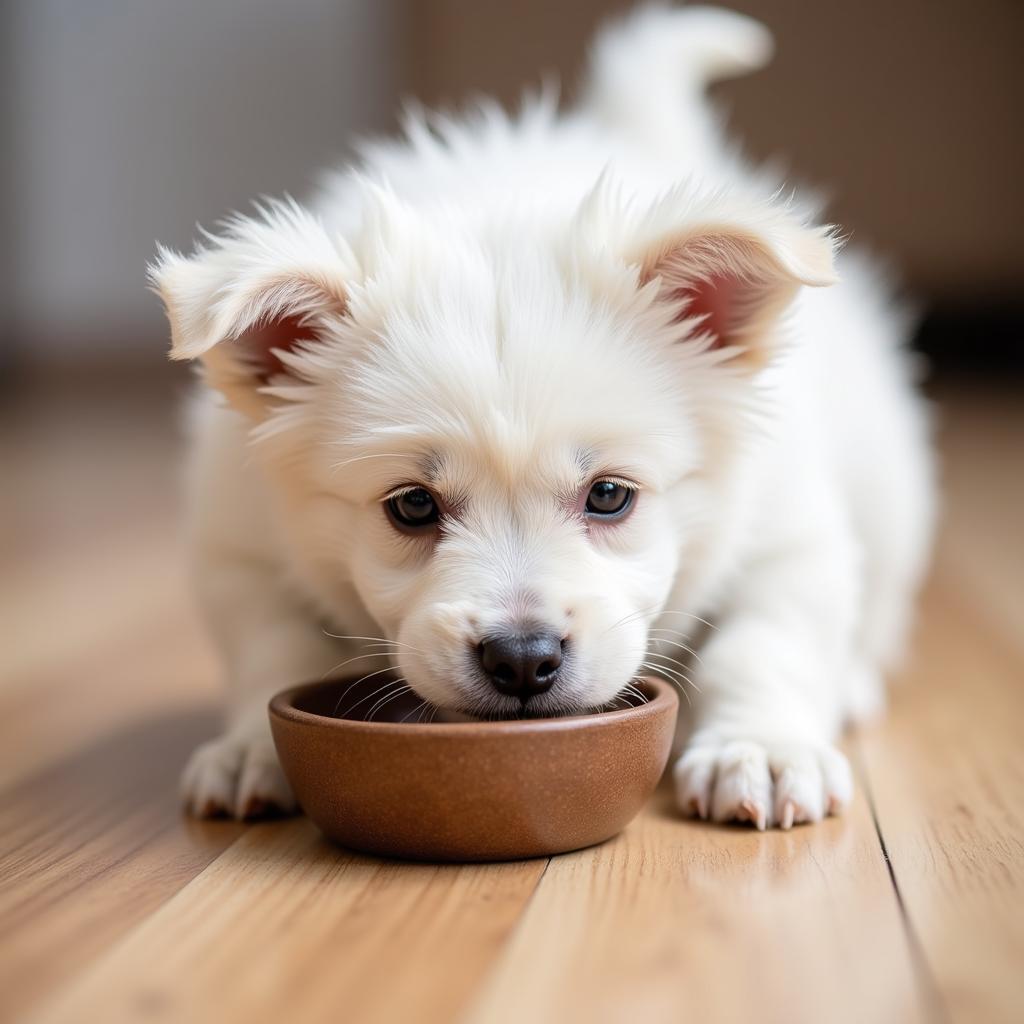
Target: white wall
131	120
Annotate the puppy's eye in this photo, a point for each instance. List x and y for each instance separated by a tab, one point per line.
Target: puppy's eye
608	498
414	508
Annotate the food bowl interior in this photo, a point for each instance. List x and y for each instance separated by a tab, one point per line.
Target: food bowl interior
386	699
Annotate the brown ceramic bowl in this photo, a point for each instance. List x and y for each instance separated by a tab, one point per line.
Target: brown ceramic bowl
467	790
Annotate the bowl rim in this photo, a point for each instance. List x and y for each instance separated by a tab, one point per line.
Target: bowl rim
282	707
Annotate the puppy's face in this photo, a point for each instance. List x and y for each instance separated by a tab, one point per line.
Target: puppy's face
516	473
507	448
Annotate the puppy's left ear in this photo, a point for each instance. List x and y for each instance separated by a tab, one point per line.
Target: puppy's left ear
729	278
256	301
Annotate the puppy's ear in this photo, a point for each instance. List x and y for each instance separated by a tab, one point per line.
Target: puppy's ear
251	302
729	277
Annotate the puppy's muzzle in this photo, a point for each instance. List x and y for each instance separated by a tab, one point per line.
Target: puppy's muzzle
522	665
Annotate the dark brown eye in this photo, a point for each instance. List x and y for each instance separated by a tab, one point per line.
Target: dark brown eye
414	508
608	498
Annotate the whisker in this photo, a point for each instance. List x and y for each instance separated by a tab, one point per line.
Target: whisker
390	682
677	671
659	670
626	618
688	615
384	701
669	629
668	657
376	639
635	691
355	682
419	707
630	616
360	657
676	643
384	689
667	668
665	657
345	636
640	613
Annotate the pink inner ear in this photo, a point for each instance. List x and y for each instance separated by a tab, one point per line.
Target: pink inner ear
259	345
715	298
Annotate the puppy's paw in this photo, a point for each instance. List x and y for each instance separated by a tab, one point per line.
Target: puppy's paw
237	777
777	784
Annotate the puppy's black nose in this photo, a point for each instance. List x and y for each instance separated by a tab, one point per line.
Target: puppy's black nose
521	664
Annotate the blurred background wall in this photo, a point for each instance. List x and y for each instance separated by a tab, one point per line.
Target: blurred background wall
907	112
126	121
132	120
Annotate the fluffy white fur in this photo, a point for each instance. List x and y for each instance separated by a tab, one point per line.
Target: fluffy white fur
504	309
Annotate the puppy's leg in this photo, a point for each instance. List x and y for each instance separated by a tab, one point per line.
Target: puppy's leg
771	681
267	641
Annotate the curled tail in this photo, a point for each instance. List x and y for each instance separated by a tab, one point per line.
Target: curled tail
649	70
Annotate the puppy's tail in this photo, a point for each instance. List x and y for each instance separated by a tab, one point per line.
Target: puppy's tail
649	70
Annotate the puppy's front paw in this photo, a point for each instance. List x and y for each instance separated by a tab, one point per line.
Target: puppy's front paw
779	784
236	776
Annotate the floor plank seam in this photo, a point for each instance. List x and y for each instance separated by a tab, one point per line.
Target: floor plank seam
934	1004
529	901
473	996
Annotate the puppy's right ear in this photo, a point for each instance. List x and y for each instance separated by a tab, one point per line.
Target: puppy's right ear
252	302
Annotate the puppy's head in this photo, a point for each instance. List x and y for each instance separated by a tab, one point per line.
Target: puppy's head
509	441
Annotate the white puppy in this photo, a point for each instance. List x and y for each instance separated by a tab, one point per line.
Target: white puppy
528	398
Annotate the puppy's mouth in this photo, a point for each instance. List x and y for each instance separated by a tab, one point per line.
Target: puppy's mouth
551	706
529	711
620	702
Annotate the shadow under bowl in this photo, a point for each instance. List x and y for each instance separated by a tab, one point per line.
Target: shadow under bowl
467	790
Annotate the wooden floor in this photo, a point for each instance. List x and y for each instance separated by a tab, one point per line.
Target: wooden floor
114	907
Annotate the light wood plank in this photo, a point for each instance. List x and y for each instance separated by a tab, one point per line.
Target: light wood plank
91	845
947	772
285	926
105	687
680	921
946	766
